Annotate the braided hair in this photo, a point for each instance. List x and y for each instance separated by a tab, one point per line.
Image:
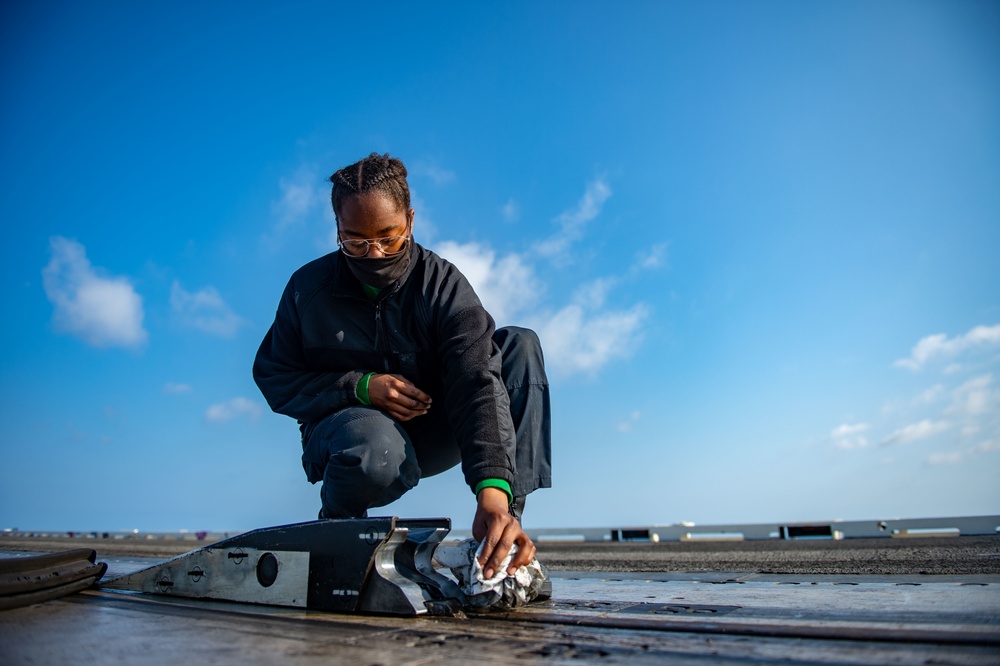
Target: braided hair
375	173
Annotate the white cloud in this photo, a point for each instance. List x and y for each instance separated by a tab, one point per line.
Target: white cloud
946	458
915	432
584	336
174	388
987	446
224	412
975	397
424	229
303	209
926	397
103	311
653	256
953	457
577	340
593	294
511	211
439	175
581	336
940	345
933	394
626	425
300	195
205	310
571	222
849	435
507	286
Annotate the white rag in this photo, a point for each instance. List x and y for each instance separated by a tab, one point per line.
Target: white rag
502	591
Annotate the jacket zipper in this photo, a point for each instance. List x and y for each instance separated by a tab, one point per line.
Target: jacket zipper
380	341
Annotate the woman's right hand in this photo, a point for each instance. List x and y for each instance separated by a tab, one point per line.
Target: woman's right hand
398	397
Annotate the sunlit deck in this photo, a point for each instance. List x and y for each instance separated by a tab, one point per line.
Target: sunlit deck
867	600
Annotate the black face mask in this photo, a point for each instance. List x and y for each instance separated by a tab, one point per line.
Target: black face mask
379	272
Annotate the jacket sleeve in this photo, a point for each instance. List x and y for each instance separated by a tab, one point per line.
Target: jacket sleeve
475	397
282	375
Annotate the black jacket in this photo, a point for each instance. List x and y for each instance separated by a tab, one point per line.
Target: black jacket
429	327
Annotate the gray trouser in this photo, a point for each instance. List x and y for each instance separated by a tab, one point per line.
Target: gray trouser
365	458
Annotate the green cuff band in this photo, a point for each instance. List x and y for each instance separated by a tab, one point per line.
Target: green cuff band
496	483
361	390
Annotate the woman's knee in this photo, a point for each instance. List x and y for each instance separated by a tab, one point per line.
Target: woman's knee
521	353
377	444
364	450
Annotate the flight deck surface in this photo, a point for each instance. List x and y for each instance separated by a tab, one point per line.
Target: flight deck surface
866	601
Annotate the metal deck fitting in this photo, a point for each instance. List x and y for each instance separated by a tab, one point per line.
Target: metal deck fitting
370	565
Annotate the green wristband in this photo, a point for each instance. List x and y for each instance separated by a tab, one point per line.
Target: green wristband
361	390
496	483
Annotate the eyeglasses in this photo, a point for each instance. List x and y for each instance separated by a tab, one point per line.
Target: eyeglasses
389	246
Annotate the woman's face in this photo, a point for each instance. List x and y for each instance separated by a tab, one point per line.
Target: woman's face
370	216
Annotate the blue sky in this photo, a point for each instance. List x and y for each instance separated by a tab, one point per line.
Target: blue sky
759	242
